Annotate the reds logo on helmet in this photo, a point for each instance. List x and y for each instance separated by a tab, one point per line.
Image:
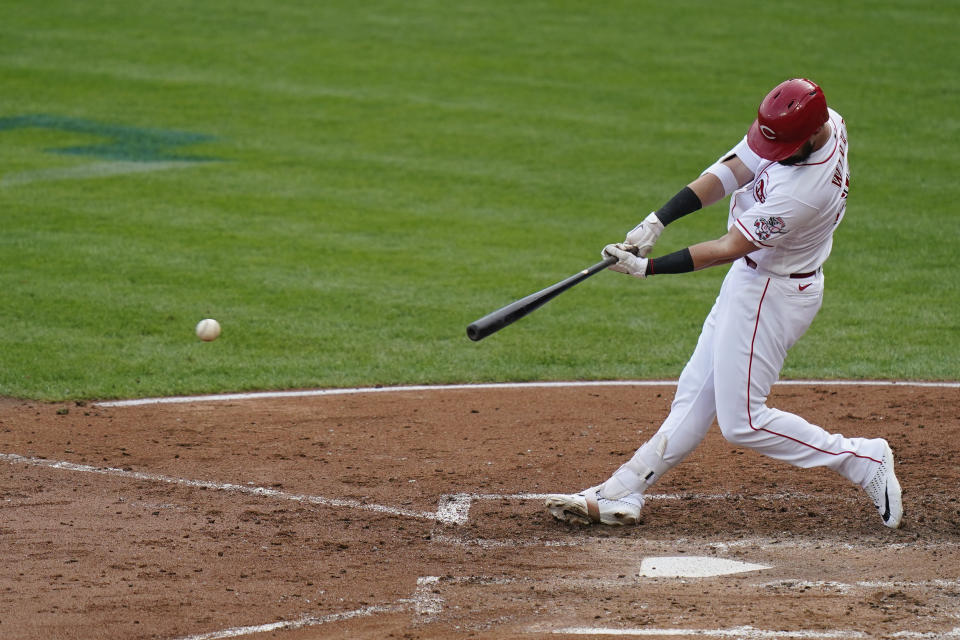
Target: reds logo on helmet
786	118
766	227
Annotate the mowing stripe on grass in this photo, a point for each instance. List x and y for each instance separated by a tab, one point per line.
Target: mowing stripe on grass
89	171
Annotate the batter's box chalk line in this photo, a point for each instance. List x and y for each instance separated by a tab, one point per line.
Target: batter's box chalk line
449	511
453	509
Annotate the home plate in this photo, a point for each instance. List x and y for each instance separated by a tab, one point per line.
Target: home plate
694	567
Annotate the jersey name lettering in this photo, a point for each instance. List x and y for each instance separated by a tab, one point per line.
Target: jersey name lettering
838	174
840	180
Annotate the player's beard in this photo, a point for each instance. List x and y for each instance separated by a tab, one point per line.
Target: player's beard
805	151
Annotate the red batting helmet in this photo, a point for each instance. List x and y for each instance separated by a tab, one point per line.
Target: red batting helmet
787	117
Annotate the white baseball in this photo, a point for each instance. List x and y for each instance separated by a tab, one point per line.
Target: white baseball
208	329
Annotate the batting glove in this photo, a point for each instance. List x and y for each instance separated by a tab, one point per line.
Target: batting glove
627	261
645	235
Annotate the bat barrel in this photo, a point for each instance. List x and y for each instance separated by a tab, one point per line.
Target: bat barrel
493	322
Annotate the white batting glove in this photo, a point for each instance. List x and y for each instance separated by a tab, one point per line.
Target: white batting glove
645	235
627	261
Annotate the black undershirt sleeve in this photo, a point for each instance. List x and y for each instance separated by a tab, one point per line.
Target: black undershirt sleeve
686	201
676	262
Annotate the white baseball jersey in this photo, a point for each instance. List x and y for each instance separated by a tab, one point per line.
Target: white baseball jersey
790	212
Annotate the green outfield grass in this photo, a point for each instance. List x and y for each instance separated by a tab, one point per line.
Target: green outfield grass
345	186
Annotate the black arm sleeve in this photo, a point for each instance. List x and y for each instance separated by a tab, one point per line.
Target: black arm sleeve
686	201
676	262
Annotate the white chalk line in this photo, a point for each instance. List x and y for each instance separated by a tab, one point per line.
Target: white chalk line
847	587
299	623
774	544
732	632
748	632
453	509
224	397
440	515
306	393
426	604
778	496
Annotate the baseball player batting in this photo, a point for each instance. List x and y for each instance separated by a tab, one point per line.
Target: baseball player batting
787	180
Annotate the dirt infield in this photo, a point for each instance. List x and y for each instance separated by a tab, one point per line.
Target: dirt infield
418	514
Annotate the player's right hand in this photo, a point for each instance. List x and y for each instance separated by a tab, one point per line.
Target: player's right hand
627	261
645	235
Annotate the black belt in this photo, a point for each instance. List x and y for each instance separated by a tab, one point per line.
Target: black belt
753	265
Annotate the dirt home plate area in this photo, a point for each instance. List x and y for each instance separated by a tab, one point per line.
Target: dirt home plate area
418	513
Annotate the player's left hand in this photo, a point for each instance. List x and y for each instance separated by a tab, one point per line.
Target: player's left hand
645	235
627	260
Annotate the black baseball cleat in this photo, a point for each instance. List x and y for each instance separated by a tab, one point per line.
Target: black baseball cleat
884	490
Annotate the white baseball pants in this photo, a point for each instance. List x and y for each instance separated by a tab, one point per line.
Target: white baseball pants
754	321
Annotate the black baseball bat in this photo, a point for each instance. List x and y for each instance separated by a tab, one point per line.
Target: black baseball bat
493	322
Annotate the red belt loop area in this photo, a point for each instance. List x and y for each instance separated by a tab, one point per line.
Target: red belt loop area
753	265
